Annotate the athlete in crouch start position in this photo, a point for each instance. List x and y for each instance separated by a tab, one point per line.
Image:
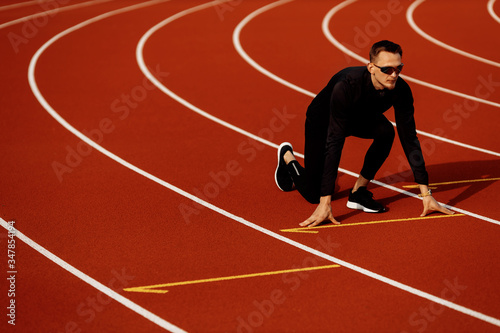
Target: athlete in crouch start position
353	103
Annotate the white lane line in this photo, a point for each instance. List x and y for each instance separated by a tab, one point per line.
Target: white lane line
94	283
34	87
456	143
18	5
253	63
491	10
411	21
363	271
51	12
414	291
344	49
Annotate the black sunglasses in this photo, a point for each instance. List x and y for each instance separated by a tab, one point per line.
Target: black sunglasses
389	70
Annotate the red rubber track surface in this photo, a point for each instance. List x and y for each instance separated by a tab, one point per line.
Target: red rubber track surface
125	230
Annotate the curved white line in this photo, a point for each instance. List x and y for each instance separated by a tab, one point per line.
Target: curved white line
253	63
411	21
34	87
18	5
344	49
491	10
414	291
159	85
51	11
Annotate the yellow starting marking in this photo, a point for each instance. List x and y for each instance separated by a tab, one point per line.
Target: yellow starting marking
313	230
155	288
457	182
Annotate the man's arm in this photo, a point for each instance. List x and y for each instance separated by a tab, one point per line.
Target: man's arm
334	145
407	133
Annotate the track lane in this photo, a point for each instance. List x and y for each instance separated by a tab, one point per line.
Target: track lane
40	18
469	22
12	4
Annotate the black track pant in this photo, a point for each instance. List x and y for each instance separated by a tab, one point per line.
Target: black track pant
308	179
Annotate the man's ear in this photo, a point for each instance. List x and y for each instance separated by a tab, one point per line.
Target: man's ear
370	68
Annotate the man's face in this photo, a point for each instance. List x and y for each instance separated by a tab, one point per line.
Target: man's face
385	80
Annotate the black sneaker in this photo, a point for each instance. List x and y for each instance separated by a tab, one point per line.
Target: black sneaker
281	176
362	199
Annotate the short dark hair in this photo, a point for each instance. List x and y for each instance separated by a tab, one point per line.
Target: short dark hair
384	45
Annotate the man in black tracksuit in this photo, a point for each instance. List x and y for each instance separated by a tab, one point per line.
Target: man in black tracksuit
353	103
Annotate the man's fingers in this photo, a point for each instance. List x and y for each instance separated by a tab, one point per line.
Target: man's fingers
333	220
435	206
305	223
425	211
446	211
442	209
310	222
315	223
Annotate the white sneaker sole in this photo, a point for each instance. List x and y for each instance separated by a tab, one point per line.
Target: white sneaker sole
355	205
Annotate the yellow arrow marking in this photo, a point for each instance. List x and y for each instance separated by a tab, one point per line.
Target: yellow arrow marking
154	288
457	182
312	230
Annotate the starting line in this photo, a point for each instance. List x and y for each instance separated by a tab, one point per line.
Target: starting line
457	182
313	230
